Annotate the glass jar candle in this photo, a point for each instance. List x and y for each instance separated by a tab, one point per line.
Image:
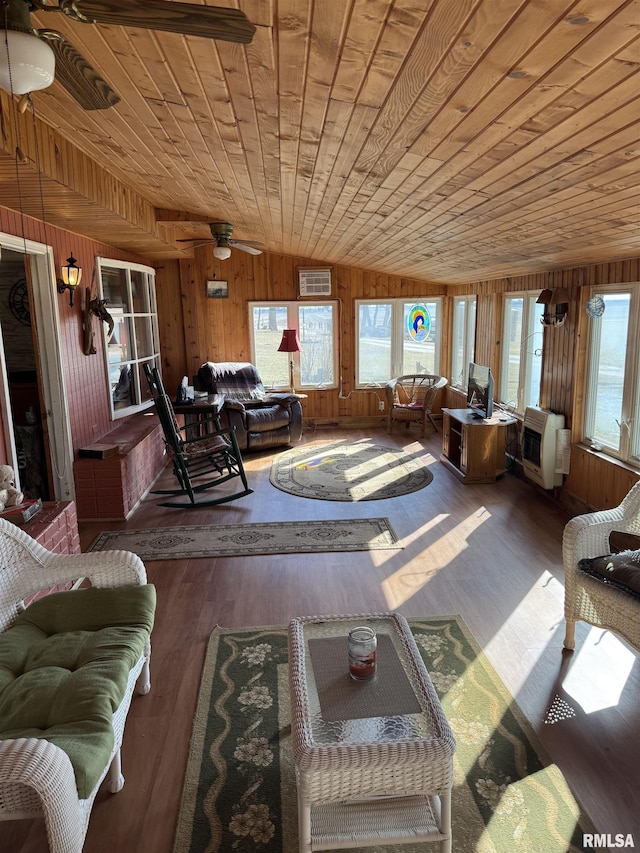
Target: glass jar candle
363	645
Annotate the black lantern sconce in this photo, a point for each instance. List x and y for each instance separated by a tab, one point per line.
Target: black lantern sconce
71	278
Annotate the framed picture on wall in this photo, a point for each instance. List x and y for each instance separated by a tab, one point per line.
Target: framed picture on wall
217	289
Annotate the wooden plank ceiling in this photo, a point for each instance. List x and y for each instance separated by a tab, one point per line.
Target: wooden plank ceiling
445	140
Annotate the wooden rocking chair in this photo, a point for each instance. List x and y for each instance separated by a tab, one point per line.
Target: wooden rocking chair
200	462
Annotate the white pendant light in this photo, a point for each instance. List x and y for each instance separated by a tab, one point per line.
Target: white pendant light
222	253
27	63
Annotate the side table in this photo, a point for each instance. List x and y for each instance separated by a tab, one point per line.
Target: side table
200	415
367	780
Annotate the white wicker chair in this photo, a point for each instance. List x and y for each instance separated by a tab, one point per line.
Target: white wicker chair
586	598
36	777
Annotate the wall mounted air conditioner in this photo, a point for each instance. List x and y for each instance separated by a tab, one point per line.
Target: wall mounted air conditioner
314	281
543	441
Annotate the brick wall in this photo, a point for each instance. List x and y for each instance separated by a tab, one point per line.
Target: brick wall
55	527
110	489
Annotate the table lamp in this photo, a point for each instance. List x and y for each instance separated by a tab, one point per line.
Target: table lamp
290	343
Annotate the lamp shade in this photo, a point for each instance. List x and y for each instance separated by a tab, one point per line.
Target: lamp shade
290	341
222	253
27	63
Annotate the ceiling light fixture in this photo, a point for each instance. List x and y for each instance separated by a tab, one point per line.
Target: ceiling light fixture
27	63
222	253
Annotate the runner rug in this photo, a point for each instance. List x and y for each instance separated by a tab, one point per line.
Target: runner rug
348	471
268	537
239	792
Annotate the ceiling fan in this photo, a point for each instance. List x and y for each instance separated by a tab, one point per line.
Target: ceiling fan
30	58
223	242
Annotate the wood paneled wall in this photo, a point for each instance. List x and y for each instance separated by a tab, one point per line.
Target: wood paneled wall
85	376
195	329
594	481
217	329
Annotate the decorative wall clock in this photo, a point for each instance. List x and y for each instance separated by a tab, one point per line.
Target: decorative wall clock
595	306
19	302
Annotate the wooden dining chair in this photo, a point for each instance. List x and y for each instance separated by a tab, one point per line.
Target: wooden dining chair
200	462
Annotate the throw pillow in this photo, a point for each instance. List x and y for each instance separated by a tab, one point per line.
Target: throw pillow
620	570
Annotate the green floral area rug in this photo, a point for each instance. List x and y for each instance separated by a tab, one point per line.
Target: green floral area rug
348	471
240	795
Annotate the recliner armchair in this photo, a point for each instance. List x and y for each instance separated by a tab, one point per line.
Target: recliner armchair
261	418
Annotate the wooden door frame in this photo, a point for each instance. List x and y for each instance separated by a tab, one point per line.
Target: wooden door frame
57	426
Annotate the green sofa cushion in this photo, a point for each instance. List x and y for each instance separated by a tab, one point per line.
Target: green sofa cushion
64	667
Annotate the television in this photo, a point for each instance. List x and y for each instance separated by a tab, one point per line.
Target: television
480	391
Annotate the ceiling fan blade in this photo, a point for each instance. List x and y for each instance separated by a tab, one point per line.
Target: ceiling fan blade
186	18
79	78
197	245
198	240
250	249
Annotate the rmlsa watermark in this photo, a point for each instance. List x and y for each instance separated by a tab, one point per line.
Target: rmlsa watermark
604	840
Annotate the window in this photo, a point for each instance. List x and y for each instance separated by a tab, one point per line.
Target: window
130	294
463	339
315	364
522	338
387	347
611	408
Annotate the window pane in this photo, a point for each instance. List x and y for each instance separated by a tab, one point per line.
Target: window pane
532	351
471	339
316	340
120	344
511	354
114	289
143	384
268	324
144	339
608	363
419	356
374	343
122	390
140	292
457	344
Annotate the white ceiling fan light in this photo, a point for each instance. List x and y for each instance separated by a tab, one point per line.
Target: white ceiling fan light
222	253
27	63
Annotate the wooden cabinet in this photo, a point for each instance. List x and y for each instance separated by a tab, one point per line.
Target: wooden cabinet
474	448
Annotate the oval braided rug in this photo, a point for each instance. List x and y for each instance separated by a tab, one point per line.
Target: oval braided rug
344	471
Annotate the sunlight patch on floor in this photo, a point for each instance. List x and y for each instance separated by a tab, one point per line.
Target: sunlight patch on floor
599	671
407	581
520	806
529	646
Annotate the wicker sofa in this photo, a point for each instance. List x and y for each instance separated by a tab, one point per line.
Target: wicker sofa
69	665
261	419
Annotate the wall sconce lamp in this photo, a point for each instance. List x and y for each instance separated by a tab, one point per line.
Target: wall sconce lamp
556	307
290	343
71	277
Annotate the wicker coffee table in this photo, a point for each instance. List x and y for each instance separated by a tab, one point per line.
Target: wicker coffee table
383	773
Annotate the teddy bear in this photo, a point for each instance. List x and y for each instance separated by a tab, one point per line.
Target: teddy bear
9	495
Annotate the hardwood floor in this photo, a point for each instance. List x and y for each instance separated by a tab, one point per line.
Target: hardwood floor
491	553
